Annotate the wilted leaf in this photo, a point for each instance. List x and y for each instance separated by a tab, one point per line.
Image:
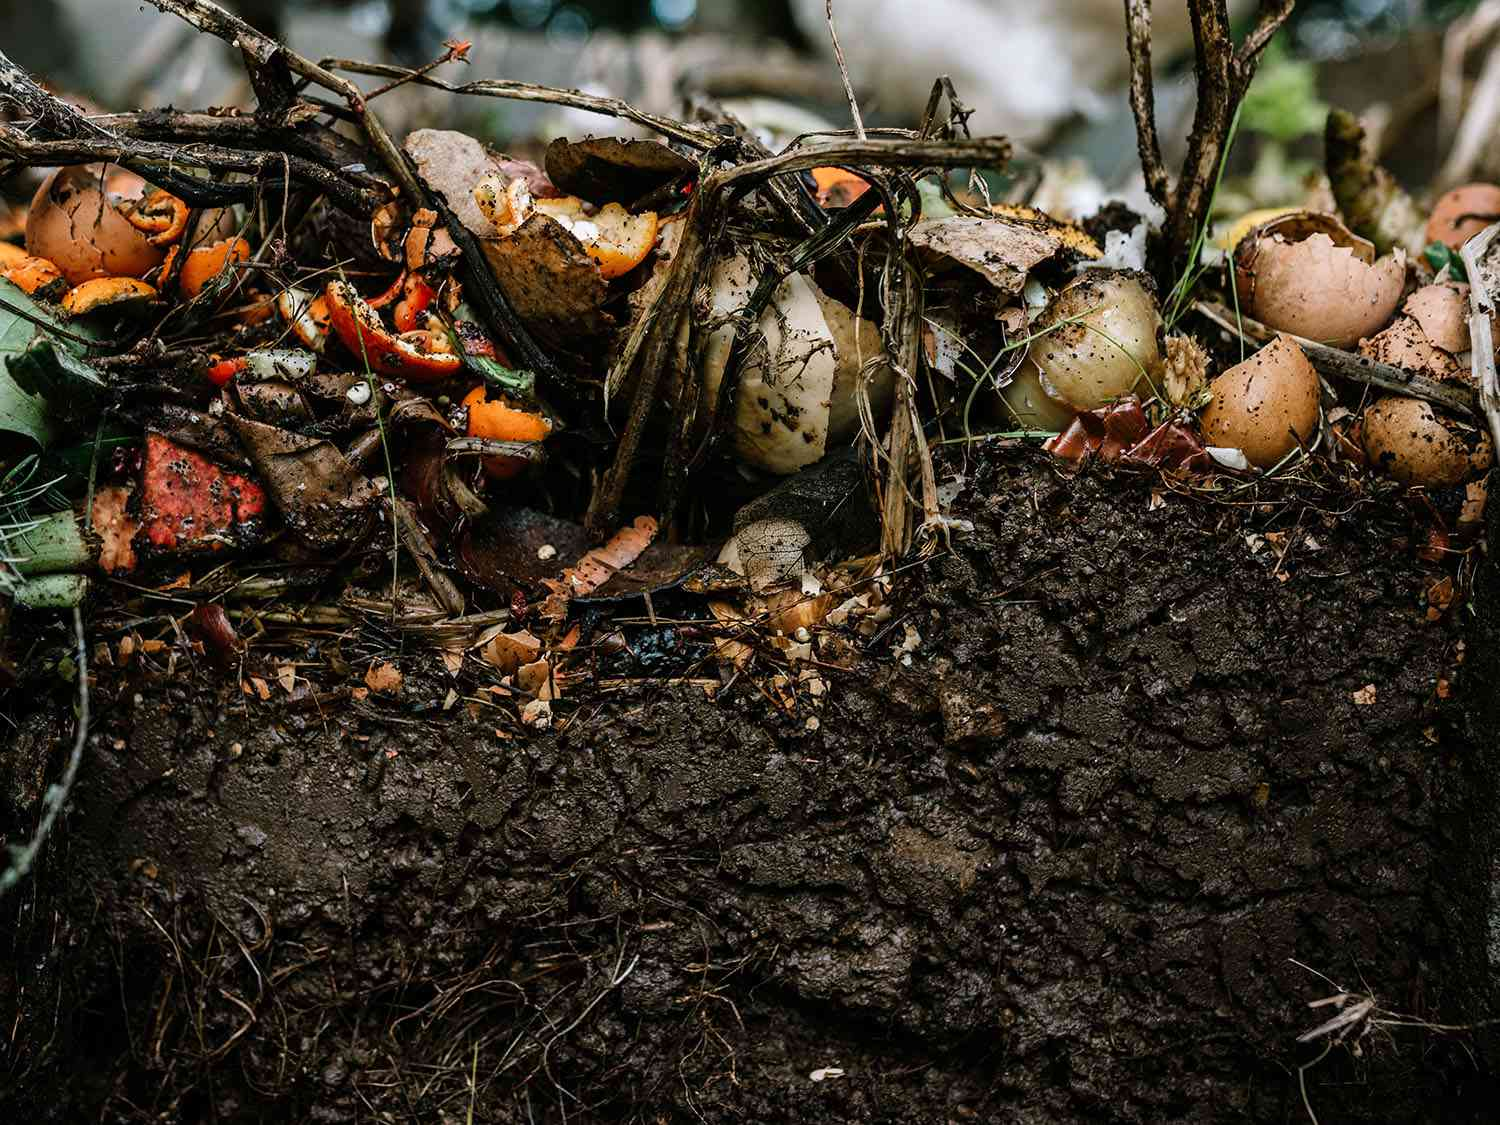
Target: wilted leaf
509	651
1003	250
384	679
322	498
211	624
552	284
612	170
32	364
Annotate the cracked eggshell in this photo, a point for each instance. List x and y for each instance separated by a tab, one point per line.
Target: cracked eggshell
1266	406
782	404
1113	333
75	224
1403	344
1411	441
1308	275
1462	213
1443	313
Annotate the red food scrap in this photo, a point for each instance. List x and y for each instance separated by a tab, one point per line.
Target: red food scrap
188	503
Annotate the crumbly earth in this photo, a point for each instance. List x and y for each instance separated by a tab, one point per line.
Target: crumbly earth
1130	806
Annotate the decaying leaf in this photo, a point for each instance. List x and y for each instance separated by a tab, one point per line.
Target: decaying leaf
321	497
451	163
509	651
383	678
553	285
212	626
116	529
598	565
612	170
1003	249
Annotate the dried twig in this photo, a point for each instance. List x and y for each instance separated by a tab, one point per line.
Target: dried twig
1223	74
838	54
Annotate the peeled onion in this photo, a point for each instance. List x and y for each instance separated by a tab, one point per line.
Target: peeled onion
1028	406
1106	344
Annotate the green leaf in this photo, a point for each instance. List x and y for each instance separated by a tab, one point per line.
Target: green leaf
37	365
1440	254
1282	102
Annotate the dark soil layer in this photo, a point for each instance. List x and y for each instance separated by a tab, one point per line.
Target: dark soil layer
1054	869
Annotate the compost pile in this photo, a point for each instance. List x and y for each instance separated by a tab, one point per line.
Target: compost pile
342	419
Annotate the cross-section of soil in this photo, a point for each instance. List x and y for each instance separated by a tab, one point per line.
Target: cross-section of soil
1058	862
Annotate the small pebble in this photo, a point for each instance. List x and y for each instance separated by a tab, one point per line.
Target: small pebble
359	394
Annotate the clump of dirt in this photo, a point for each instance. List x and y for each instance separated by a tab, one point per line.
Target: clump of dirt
1051	850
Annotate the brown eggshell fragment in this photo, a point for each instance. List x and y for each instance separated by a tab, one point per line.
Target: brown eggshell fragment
1266	406
1405	345
74	223
1443	313
1462	213
1321	286
1409	440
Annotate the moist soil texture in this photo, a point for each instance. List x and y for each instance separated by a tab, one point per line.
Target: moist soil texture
1128	780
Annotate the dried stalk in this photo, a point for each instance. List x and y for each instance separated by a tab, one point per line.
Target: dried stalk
1223	75
693	135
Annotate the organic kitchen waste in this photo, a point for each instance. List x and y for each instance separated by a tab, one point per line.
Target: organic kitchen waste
314	410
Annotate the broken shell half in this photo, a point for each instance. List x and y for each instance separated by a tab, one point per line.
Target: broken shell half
75	222
1098	339
1410	440
1462	213
1443	313
799	384
1266	406
1309	275
1403	344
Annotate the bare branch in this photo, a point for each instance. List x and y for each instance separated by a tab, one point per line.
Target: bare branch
1273	13
838	54
1143	100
